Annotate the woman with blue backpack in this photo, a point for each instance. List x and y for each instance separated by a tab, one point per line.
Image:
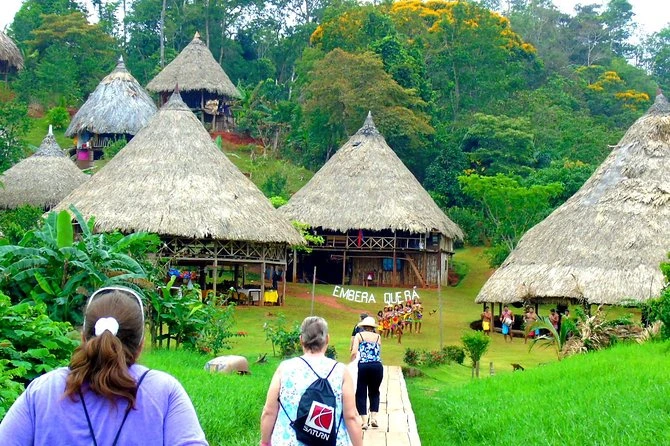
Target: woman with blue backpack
311	398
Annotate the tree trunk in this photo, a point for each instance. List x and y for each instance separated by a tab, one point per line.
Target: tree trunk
207	22
162	34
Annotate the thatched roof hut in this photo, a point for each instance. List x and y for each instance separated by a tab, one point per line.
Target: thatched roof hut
10	55
194	69
171	179
119	105
41	180
366	186
605	243
9	52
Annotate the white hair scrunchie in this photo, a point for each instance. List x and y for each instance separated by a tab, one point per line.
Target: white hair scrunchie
106	323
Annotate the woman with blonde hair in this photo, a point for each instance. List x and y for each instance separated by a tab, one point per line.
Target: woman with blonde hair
104	397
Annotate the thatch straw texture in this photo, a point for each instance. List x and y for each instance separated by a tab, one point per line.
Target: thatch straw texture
605	243
194	69
9	52
171	179
41	180
119	105
366	186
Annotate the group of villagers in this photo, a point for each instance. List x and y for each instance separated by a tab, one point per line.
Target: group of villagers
394	320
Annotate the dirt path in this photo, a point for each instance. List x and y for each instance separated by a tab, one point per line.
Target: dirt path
301	293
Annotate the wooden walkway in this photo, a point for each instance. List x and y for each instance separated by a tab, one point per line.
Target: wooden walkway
397	426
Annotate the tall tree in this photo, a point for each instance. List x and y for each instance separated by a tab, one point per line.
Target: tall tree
618	20
343	87
69	57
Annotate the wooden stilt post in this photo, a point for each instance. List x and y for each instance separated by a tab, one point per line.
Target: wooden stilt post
202	107
393	275
344	266
283	279
216	276
295	266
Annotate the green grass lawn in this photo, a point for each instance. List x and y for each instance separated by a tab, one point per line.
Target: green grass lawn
620	396
551	400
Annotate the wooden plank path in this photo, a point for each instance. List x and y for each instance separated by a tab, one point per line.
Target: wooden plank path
397	426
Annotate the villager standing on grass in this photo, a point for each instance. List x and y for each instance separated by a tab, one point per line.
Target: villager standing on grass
554	319
528	319
487	319
367	345
294	376
507	320
104	397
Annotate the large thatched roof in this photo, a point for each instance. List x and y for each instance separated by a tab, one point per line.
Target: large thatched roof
41	180
366	186
9	52
118	105
194	69
172	179
605	243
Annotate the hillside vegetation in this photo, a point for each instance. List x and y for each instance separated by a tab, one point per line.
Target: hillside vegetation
475	97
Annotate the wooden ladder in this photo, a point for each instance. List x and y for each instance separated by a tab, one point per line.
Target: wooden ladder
416	271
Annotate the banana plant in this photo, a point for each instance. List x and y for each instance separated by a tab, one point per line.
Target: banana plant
50	265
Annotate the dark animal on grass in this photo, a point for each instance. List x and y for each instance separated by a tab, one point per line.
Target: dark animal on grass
516	367
432	312
262	359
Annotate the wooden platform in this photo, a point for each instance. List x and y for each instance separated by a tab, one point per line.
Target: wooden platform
397	426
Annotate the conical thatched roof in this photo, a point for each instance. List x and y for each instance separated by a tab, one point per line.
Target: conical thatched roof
118	105
194	69
366	186
171	179
41	180
606	242
9	52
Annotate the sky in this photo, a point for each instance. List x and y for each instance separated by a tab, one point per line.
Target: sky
651	15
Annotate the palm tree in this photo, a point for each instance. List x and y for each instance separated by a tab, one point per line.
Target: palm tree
556	340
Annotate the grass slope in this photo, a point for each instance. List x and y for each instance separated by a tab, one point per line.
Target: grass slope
245	157
619	396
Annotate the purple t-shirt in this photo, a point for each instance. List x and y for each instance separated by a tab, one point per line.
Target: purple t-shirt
42	415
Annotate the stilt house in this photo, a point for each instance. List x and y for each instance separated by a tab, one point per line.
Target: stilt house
605	243
379	225
117	109
203	85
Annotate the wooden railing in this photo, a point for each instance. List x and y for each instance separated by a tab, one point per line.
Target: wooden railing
376	243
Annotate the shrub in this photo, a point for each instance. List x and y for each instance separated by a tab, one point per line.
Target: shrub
411	357
434	358
278	201
58	117
30	345
198	326
286	340
454	353
659	310
475	344
275	185
111	150
14	223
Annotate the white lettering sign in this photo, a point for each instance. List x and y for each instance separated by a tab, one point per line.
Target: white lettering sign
390	297
354	295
